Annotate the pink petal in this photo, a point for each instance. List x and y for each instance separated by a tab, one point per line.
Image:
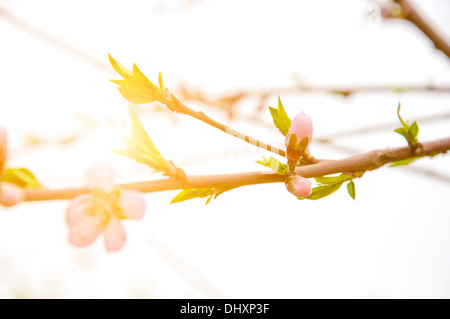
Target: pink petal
101	176
10	195
114	234
299	186
85	232
132	204
302	128
76	211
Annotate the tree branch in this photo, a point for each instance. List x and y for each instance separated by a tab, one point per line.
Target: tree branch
412	15
179	107
354	164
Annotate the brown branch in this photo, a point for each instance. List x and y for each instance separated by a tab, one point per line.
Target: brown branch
412	15
229	102
176	105
354	164
349	89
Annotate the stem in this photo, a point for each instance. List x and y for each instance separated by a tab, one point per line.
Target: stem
412	15
179	107
358	163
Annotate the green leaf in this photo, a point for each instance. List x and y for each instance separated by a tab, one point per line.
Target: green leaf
332	179
414	130
404	162
323	191
409	132
135	86
135	97
275	165
187	194
327	186
161	81
401	131
141	148
20	177
351	189
119	68
404	124
280	118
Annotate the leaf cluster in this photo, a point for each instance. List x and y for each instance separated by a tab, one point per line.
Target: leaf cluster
135	86
191	193
408	131
330	184
141	148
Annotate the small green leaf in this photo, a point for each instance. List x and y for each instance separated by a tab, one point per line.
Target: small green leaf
141	148
187	194
280	118
323	191
135	86
404	162
20	177
404	124
402	131
119	68
351	189
135	97
327	185
161	81
409	132
414	130
275	165
332	179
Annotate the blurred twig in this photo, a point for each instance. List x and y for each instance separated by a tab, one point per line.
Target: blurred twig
55	42
411	14
230	102
186	271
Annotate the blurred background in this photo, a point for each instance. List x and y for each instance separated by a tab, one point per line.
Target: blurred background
343	63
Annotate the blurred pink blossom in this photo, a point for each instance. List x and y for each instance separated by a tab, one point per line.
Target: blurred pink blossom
10	195
102	210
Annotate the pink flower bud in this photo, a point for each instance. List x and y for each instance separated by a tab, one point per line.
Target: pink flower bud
299	136
10	195
299	186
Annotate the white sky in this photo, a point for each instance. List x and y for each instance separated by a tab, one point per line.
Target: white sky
254	242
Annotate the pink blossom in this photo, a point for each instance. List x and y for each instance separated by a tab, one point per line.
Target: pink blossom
102	210
299	186
10	195
299	136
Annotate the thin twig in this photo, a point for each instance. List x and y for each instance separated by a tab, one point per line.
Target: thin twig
19	23
412	15
229	102
359	163
349	90
378	127
184	269
183	109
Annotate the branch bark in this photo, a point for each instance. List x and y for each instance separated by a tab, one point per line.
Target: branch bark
412	15
176	105
354	164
